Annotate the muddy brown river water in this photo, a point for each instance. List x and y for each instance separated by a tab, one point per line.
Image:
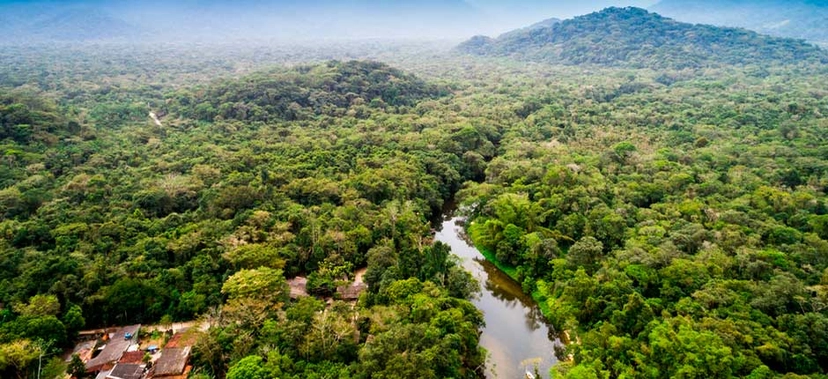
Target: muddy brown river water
516	335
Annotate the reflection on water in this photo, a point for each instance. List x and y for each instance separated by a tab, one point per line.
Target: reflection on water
515	330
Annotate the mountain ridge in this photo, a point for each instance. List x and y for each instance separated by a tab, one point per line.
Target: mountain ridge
50	22
634	37
801	19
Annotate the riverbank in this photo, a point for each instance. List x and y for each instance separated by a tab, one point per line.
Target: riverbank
508	270
516	333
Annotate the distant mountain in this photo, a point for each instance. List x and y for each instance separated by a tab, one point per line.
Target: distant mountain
53	21
215	20
633	37
539	25
802	19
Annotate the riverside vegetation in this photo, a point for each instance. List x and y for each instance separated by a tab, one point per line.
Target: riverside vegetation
671	217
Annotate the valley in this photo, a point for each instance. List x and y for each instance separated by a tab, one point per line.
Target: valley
653	191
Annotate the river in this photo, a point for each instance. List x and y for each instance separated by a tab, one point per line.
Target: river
516	334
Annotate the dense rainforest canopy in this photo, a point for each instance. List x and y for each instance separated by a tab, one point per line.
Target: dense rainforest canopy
669	214
315	171
677	227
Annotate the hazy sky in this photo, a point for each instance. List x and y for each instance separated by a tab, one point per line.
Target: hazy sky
516	13
561	8
288	19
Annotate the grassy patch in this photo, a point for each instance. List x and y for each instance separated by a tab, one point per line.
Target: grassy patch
490	256
542	304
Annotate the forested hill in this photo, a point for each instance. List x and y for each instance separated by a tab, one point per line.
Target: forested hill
517	33
633	37
304	92
803	19
311	171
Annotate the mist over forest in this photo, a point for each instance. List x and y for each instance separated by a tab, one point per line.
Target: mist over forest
260	20
376	189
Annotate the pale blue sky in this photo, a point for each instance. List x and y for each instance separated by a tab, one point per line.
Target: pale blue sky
292	19
520	12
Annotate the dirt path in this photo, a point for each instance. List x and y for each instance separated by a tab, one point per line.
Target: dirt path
155	119
176	327
359	275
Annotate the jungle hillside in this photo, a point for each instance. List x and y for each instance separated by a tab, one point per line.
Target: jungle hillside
658	188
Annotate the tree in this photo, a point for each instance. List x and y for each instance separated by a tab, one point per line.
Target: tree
39	305
330	335
253	256
254	295
73	321
623	150
134	300
398	354
586	252
461	284
53	368
166	322
17	356
679	349
208	352
380	259
47	328
250	367
76	368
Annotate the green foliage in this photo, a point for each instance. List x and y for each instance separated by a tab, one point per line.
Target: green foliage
254	256
16	358
248	368
587	252
330	89
133	299
73	319
656	242
39	306
76	368
254	295
53	367
672	221
26	117
633	37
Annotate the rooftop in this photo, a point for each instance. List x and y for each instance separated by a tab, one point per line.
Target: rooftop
172	362
351	292
126	371
298	287
136	357
115	348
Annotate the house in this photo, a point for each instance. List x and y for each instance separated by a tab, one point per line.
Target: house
127	371
83	349
135	357
173	362
104	373
298	287
115	347
352	291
